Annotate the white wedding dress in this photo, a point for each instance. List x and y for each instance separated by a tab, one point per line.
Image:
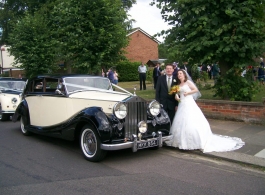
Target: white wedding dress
190	129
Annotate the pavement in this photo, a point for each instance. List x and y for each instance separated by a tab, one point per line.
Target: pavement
252	153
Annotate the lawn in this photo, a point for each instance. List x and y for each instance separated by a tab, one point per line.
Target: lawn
149	93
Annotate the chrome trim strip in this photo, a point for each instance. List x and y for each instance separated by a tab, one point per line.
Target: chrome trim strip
133	144
8	112
117	146
160	142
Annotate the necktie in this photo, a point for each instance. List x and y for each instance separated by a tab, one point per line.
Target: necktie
168	84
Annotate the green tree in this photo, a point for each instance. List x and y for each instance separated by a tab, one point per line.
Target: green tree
32	46
13	10
86	35
228	31
89	34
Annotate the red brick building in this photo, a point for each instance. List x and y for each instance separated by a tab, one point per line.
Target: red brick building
142	46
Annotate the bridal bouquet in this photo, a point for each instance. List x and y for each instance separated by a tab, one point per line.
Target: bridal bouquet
175	89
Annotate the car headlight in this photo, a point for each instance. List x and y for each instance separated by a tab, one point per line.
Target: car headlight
154	108
142	125
120	110
14	100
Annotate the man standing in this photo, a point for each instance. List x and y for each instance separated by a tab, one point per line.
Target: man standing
164	83
111	75
261	62
142	76
215	71
176	68
156	73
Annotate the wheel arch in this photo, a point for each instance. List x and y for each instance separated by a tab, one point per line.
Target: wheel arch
22	111
96	118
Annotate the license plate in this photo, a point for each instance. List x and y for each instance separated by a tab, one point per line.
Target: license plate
147	144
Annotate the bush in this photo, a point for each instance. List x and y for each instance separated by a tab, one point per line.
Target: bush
207	86
203	76
128	71
195	73
5	74
234	87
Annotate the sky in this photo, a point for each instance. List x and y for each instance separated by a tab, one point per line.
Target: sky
148	18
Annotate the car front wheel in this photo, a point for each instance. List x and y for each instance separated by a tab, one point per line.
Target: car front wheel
90	144
22	127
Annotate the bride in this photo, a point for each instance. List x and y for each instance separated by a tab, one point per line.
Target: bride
190	129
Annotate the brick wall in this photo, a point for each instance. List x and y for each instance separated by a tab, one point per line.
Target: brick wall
251	112
141	48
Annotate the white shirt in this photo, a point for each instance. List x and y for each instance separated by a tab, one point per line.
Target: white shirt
142	69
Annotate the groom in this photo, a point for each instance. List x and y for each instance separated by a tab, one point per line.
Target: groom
164	83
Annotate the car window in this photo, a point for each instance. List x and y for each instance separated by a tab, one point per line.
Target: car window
12	85
47	85
86	83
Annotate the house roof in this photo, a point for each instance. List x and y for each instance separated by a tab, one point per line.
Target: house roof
153	62
141	30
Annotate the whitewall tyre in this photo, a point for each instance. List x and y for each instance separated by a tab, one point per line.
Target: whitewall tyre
22	127
90	144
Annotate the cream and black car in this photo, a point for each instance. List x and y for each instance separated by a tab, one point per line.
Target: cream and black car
88	109
10	96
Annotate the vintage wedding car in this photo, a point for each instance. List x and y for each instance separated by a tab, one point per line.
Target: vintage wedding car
87	108
10	96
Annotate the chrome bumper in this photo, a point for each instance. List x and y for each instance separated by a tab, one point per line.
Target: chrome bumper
7	112
133	144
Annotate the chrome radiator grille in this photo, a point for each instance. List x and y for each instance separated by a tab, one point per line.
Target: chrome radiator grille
137	111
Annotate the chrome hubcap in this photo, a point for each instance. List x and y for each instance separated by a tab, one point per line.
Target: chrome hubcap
89	142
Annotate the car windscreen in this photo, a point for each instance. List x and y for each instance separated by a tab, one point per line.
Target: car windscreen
12	85
86	83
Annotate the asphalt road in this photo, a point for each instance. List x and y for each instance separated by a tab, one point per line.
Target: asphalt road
43	165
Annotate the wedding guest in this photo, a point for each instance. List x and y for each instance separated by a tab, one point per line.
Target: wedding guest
142	69
261	75
111	75
116	77
176	68
156	73
102	72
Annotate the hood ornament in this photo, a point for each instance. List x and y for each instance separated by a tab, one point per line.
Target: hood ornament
134	92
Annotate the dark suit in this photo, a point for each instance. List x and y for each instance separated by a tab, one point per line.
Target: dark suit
156	74
168	101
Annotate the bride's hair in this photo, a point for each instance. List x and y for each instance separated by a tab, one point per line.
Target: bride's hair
185	74
188	77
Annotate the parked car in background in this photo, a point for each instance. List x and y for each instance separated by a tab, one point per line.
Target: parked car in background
86	108
10	96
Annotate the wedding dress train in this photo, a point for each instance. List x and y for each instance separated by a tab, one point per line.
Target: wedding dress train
190	129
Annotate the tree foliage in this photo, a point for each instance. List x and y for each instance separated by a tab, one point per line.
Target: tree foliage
85	34
13	10
89	33
228	31
32	46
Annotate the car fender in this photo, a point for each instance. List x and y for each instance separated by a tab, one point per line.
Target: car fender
22	111
96	117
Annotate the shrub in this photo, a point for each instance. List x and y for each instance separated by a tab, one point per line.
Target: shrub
128	71
234	87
